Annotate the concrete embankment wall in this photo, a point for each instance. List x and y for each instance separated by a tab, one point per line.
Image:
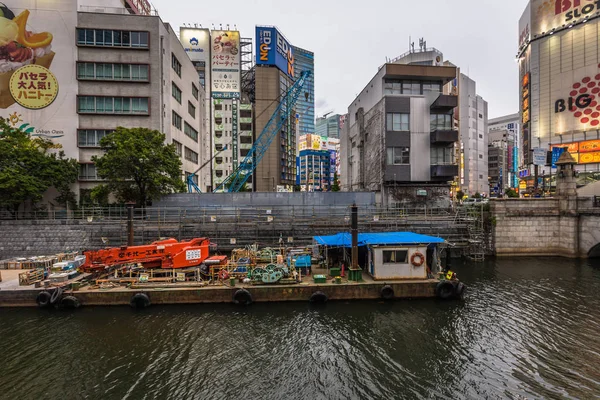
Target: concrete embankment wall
545	227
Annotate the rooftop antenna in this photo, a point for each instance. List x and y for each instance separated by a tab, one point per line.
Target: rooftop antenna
235	27
228	27
195	25
220	27
213	26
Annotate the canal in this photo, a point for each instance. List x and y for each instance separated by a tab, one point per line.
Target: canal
528	328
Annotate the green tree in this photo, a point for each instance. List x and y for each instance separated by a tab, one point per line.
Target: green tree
138	166
29	167
336	183
511	193
477	195
460	195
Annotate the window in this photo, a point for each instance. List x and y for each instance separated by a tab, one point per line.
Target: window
176	65
395	256
116	72
176	92
442	156
398	155
91	137
246	139
432	87
219	160
178	148
191	132
481	156
112	105
218	173
177	120
480	136
440	122
411	87
218	147
191	155
87	172
191	110
112	38
195	92
398	122
393	86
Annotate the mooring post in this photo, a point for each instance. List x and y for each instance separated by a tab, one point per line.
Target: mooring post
129	224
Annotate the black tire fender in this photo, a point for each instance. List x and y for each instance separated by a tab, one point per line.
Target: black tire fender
43	299
459	290
387	292
70	303
444	290
243	297
140	300
318	298
56	295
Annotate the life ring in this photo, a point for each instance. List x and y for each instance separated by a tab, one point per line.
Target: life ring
223	275
140	300
70	303
387	292
444	290
56	295
318	298
413	259
43	299
242	296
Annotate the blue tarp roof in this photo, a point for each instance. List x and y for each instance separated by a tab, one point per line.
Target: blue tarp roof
377	239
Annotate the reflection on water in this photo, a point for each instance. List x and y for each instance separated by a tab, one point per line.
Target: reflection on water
527	328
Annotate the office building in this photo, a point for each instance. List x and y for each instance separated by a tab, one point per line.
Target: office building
399	138
559	77
498	167
316	169
304	60
125	67
329	126
507	129
473	123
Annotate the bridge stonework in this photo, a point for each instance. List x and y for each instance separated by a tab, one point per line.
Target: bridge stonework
565	226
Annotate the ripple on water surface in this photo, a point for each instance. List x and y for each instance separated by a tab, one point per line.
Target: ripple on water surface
528	328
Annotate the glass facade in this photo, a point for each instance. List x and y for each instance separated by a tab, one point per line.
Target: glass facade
304	60
315	171
329	127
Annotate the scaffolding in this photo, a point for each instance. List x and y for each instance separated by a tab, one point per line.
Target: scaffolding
472	218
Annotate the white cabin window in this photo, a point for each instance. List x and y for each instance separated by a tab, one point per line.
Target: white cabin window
395	256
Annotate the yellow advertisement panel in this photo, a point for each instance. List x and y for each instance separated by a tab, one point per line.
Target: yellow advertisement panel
38	84
589	158
589	146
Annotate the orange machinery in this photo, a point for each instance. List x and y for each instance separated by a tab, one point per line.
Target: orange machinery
165	254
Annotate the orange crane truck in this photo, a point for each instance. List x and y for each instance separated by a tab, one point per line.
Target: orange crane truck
167	254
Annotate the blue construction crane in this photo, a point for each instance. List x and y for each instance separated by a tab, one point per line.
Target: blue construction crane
193	186
239	177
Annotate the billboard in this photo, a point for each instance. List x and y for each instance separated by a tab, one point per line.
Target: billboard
196	43
38	85
225	64
547	15
524	26
273	49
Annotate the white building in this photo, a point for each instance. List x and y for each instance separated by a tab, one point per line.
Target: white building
507	130
473	121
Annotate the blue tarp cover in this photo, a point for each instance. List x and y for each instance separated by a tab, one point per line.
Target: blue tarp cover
377	239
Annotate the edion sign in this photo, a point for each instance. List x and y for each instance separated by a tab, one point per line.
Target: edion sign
273	49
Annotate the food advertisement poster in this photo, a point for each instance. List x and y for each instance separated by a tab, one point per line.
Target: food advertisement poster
225	64
38	85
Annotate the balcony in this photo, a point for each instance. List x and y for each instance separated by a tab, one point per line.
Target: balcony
444	172
445	102
444	136
245	120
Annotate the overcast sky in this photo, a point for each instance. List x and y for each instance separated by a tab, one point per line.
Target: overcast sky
351	38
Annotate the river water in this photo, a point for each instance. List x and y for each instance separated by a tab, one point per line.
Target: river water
527	328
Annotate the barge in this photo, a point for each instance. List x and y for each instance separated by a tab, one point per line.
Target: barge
395	265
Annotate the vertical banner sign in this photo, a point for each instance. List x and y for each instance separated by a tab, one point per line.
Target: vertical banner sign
556	153
525	112
225	64
234	133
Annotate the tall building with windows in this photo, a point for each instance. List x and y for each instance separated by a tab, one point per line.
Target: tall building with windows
399	137
125	68
507	129
559	81
329	126
473	124
304	60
